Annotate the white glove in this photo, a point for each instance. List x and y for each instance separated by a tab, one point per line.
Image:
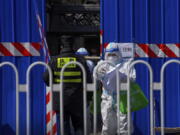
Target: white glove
101	70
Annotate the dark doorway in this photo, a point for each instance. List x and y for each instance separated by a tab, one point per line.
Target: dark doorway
79	18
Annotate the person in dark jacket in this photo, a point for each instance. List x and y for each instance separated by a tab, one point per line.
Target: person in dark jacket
73	85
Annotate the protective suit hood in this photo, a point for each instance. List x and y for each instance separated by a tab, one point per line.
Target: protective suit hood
113	53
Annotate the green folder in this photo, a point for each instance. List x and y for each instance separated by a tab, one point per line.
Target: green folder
98	99
137	99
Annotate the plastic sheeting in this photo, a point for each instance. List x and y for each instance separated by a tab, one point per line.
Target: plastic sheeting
18	24
147	21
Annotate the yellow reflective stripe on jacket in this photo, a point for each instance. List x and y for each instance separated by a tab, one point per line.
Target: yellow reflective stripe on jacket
68	80
68	73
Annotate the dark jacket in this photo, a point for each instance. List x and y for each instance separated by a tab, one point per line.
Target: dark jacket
72	91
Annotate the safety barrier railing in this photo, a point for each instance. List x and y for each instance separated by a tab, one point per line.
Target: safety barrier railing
119	85
151	95
21	88
84	96
153	86
28	122
95	93
162	91
17	93
124	86
25	88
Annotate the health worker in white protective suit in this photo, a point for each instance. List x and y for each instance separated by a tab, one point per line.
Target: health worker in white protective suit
107	74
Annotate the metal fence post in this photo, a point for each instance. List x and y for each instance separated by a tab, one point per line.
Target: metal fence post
84	96
95	94
151	95
95	105
17	92
28	122
162	91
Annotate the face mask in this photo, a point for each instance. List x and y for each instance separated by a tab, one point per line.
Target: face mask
113	59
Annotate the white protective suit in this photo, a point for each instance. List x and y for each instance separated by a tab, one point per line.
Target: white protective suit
107	74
